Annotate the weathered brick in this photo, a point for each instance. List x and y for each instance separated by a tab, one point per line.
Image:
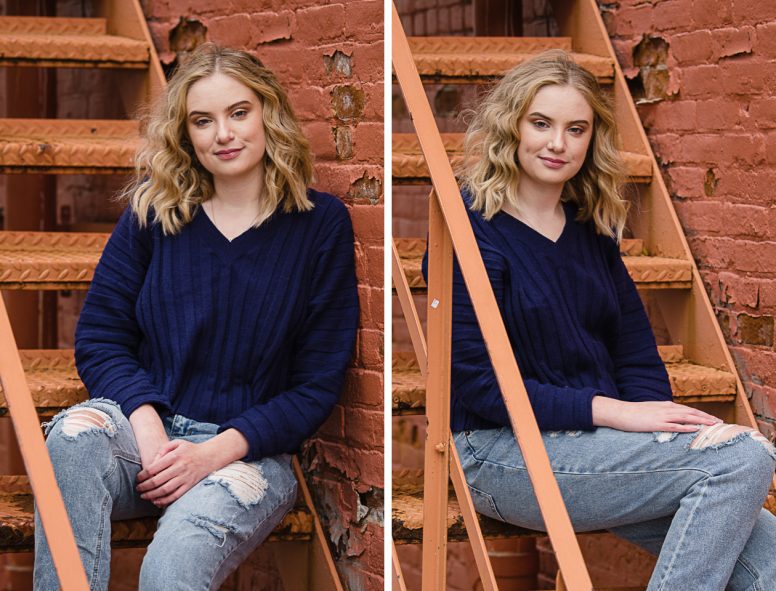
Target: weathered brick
694	47
233	31
732	41
320	24
754	330
267	27
364	427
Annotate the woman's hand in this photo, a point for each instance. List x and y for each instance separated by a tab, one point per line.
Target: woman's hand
179	465
649	416
149	433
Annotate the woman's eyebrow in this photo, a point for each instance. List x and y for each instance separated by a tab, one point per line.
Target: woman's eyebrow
542	116
229	108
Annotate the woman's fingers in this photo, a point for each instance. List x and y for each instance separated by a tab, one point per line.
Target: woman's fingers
162	491
157	480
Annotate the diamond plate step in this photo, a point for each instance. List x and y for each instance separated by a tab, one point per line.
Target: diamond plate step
648	272
67	43
53	381
690	382
17	522
409	164
75	146
407	518
481	59
49	260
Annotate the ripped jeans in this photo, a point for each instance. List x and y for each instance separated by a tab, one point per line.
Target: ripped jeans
698	509
200	538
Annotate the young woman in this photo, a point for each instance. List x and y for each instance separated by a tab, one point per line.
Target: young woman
541	185
215	335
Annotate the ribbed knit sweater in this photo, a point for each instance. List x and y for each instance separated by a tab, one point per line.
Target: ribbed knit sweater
254	334
574	318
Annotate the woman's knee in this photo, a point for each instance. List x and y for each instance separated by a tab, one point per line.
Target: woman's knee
761	460
82	428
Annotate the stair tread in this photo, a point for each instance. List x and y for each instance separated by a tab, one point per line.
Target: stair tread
67	42
32	259
408	161
17	521
646	271
52	379
690	382
75	144
477	58
407	516
407	519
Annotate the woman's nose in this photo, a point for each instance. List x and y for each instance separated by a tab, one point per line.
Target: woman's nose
556	142
224	133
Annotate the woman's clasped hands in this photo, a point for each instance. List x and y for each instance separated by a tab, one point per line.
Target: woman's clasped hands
176	468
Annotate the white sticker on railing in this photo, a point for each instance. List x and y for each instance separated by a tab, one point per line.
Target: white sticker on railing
435	303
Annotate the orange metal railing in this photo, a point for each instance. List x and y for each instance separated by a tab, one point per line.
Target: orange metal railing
51	507
449	231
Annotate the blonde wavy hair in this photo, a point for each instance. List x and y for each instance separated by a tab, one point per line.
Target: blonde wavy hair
168	176
490	168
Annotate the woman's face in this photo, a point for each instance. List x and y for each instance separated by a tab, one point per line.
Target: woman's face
555	133
226	128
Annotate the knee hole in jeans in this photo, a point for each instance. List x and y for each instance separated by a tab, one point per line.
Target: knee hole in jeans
721	434
83	420
245	482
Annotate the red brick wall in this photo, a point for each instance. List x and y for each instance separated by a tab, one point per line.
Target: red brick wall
329	57
706	76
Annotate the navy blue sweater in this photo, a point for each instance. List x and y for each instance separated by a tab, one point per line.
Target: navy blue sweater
574	318
254	334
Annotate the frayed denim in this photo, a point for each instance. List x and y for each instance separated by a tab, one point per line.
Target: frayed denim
699	509
200	538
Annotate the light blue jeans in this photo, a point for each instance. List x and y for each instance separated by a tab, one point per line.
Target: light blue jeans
200	538
698	510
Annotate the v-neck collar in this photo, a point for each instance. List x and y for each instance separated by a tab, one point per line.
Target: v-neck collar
533	237
227	250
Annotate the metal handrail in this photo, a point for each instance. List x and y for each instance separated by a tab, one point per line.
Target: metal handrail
456	233
48	498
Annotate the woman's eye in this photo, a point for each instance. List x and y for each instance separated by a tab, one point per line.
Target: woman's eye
541	124
201	122
577	130
240	113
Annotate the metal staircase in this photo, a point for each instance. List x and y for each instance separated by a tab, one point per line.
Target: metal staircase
38	383
700	368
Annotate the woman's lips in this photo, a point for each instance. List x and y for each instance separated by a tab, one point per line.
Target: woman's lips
551	162
228	154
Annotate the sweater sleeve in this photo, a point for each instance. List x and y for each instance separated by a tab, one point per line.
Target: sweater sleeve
321	355
474	381
107	336
640	374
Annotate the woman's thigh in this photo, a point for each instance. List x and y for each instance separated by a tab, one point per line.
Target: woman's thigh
93	450
205	535
607	477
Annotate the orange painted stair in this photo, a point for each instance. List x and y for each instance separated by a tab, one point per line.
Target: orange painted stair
647	272
691	383
481	59
17	524
49	260
409	164
67	43
62	146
